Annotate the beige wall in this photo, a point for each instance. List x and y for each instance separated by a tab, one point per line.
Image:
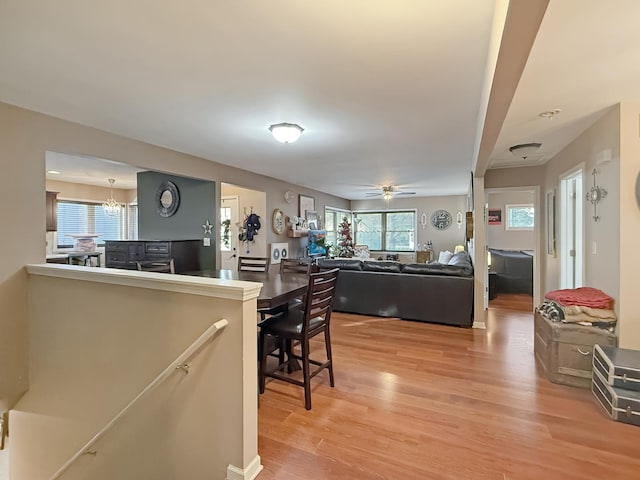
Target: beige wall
25	136
87	363
497	235
442	240
89	193
601	270
629	259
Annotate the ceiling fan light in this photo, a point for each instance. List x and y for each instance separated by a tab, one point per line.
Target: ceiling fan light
286	132
525	150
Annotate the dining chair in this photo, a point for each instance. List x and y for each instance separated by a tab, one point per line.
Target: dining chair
297	266
161	266
300	325
253	264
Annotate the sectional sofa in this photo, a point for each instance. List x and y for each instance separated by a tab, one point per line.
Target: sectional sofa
425	292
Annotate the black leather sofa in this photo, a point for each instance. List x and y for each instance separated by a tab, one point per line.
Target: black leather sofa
514	270
432	293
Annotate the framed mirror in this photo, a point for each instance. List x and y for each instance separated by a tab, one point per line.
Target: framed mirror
167	199
277	221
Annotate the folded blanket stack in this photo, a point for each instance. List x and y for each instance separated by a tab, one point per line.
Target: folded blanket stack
585	305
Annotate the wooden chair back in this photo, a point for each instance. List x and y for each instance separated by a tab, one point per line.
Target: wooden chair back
253	264
322	287
297	266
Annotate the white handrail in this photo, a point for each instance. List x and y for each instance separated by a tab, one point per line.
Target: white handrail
177	364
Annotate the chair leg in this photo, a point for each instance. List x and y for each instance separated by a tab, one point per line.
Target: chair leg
305	373
327	344
263	361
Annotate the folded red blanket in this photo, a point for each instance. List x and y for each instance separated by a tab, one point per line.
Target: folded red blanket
584	296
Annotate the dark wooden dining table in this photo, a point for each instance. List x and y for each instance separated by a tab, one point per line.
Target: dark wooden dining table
278	289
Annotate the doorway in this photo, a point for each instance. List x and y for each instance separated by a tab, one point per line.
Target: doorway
571	230
513	218
229	232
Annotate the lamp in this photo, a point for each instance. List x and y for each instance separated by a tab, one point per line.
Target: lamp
525	150
387	193
286	132
111	207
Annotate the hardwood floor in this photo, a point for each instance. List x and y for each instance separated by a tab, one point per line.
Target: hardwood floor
512	301
420	401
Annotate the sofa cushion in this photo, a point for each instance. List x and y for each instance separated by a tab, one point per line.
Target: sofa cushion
381	266
341	263
438	269
460	258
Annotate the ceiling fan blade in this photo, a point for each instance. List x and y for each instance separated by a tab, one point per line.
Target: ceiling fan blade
372	194
404	193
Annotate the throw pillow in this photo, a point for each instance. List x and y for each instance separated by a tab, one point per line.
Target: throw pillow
445	257
460	258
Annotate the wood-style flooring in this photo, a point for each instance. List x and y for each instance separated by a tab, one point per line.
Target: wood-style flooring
419	401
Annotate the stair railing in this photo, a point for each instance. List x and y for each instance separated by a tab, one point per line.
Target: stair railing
178	364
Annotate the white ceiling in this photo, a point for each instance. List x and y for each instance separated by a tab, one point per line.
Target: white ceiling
388	92
586	58
90	171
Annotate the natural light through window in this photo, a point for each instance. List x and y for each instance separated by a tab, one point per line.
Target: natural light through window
519	217
390	231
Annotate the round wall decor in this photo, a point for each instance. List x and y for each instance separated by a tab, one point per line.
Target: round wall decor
441	219
277	221
167	199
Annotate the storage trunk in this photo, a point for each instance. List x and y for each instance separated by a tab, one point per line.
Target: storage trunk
620	404
619	367
565	350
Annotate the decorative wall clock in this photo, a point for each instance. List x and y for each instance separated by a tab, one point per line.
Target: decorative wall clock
441	219
277	222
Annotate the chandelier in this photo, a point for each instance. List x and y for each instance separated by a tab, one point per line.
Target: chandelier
111	207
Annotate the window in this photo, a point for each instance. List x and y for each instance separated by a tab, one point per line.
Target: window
132	221
390	231
86	217
519	217
332	218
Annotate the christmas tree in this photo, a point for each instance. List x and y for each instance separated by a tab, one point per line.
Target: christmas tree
345	242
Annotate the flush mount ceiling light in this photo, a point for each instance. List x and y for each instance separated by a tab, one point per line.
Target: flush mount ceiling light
111	207
549	114
286	132
53	172
525	150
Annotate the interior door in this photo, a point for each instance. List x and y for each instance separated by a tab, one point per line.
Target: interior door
571	242
229	232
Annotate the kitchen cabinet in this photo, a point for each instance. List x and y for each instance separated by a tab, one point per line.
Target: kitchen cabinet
52	211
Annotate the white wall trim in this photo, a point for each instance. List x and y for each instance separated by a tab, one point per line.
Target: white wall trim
249	473
208	287
479	325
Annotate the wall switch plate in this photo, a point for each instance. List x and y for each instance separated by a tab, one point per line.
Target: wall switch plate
594	248
206	241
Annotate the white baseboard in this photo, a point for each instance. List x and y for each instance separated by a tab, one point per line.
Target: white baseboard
249	473
480	325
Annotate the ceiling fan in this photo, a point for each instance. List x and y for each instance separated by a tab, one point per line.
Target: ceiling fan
387	192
